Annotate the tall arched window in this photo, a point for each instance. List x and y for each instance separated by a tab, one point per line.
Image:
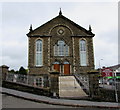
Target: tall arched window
61	49
39	57
83	56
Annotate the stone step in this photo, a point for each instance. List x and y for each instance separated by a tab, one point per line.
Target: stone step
69	87
72	93
69	84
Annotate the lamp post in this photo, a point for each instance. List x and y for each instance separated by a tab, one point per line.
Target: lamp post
116	95
100	69
100	64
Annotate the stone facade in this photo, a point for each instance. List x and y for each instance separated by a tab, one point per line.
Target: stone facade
71	34
3	72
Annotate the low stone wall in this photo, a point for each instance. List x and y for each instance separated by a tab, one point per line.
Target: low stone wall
108	95
26	88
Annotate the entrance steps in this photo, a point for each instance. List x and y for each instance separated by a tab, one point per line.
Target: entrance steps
69	88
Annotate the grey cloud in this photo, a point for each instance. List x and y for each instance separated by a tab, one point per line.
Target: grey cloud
18	16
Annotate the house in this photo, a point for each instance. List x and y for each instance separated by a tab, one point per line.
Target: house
116	70
110	76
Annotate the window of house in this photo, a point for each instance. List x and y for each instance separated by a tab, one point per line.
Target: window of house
39	82
83	57
61	49
39	56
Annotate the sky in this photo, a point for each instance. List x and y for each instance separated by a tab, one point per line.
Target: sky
18	16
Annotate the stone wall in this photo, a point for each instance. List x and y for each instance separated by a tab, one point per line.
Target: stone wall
3	72
93	84
49	34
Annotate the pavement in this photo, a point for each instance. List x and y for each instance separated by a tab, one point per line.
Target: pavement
111	87
54	101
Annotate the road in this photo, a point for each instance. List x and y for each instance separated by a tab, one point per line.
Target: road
14	102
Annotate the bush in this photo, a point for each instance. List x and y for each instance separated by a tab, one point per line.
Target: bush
22	71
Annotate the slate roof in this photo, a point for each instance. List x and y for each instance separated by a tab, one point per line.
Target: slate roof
114	67
67	20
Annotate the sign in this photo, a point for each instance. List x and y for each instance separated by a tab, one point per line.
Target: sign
106	72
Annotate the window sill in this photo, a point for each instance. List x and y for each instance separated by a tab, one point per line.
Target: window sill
84	66
61	56
39	66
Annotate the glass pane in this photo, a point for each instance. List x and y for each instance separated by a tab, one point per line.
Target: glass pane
83	58
39	52
55	50
66	50
61	49
82	45
56	62
39	45
66	62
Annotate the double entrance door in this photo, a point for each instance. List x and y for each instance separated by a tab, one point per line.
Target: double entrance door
62	68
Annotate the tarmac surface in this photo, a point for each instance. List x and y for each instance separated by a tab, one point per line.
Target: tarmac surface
63	102
15	102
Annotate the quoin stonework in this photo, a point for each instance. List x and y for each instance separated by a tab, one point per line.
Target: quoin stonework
60	45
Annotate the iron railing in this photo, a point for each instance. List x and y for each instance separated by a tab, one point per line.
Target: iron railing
37	81
83	80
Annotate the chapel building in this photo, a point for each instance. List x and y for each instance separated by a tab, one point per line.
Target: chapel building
60	45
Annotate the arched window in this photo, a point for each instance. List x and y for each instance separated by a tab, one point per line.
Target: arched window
61	49
66	62
61	45
39	57
83	56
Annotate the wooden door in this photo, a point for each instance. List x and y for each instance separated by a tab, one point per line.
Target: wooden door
57	67
66	69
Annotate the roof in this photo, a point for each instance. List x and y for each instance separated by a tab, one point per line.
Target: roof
114	67
89	32
4	66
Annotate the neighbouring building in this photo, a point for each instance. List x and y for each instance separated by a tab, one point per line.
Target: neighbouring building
116	70
60	45
109	73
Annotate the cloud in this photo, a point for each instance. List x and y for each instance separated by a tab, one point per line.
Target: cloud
17	17
106	51
103	17
14	53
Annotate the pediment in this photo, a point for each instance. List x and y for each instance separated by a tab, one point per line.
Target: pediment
60	21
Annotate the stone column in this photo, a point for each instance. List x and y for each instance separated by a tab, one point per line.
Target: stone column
3	73
54	83
93	84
